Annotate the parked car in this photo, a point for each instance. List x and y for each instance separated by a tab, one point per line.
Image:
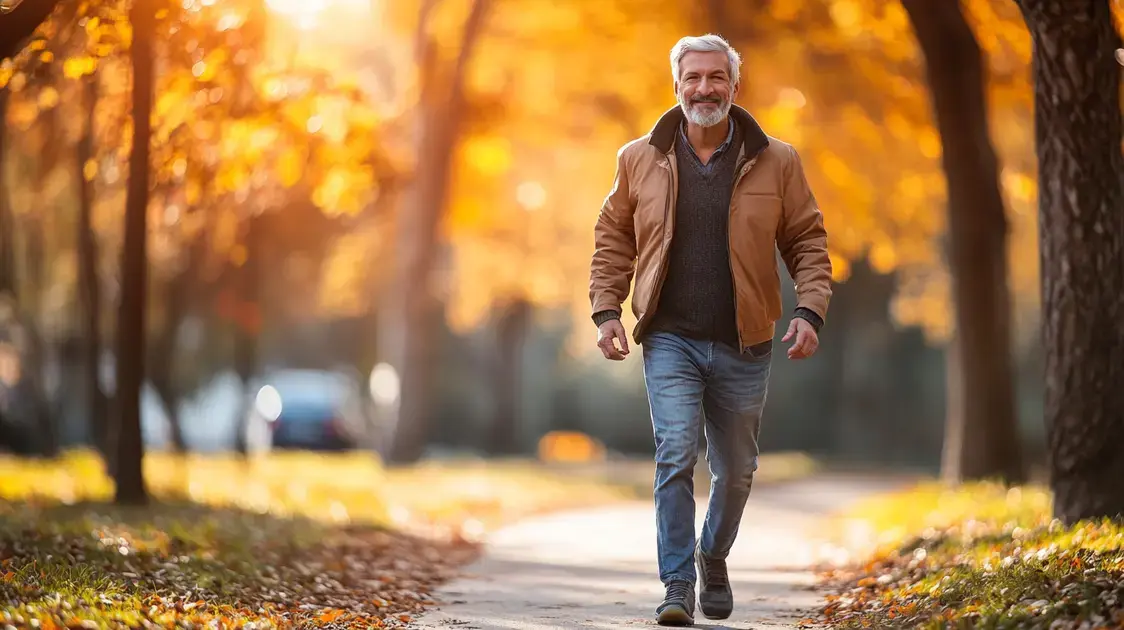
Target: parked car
307	409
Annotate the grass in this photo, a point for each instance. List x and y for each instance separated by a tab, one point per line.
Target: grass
290	539
979	556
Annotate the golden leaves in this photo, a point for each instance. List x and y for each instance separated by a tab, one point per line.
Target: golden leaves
90	170
77	67
290	166
343	284
48	98
488	155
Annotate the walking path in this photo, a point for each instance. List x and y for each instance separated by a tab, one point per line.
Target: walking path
596	568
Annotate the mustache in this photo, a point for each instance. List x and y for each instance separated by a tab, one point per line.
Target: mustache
706	99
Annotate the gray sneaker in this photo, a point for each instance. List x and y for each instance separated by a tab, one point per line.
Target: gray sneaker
716	599
678	607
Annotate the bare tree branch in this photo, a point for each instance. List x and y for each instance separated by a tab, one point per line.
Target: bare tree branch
20	23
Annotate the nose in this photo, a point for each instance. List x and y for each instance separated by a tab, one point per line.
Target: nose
704	88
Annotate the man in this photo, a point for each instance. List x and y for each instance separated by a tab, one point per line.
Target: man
698	208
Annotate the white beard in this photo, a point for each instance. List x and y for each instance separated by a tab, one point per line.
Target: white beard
705	120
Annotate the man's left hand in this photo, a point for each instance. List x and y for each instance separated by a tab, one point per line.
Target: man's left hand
807	341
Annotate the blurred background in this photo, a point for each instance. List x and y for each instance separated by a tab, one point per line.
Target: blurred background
369	224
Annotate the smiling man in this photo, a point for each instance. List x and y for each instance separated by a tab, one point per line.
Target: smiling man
698	208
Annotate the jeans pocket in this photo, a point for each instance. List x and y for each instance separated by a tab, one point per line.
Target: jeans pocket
761	350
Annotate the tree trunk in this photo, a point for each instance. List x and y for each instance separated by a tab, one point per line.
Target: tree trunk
247	326
981	415
163	356
129	455
412	311
1081	236
19	24
45	429
89	286
511	334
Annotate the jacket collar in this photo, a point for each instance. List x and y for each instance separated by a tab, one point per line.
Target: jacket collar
663	134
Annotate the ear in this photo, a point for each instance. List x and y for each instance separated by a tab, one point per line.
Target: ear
675	87
737	91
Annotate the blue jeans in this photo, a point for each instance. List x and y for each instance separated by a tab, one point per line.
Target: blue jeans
687	379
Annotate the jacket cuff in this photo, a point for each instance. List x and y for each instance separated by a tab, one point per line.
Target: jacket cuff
600	317
810	316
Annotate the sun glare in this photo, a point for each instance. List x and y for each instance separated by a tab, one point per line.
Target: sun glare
303	12
306	14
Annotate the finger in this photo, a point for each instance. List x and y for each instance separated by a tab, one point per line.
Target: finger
621	337
804	341
791	330
799	350
609	349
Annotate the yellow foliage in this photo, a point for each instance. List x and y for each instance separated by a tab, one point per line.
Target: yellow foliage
489	156
76	67
290	166
343	287
90	170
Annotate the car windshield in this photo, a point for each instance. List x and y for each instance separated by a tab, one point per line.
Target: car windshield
306	391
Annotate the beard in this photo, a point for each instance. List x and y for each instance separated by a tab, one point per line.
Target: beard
705	119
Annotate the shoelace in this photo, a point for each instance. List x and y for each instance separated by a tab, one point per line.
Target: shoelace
716	573
679	590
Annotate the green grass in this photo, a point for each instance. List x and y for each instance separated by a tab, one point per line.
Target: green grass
980	556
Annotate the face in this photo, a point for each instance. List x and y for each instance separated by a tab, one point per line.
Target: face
704	89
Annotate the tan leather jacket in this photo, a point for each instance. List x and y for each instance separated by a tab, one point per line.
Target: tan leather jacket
771	208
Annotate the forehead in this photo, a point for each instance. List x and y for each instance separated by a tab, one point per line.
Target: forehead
707	62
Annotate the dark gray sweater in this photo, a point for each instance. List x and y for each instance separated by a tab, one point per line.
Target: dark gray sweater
697	298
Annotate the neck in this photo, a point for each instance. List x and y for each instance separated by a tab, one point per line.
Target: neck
708	138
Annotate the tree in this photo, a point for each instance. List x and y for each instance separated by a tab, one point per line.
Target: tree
20	23
981	436
1080	171
412	307
512	321
128	464
89	281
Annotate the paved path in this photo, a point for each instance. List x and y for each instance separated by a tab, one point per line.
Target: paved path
596	568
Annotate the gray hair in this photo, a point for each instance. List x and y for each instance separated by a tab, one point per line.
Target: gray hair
705	43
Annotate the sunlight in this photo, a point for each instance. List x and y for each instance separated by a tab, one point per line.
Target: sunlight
307	14
302	12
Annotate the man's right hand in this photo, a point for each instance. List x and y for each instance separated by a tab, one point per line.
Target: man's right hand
609	331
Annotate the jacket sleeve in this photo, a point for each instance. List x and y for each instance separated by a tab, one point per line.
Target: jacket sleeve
614	255
802	241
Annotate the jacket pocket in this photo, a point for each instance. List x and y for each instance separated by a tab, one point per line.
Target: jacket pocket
761	350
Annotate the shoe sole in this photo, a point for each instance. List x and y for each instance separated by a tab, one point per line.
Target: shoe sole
717	616
674	616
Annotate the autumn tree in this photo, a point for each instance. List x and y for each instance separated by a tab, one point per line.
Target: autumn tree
128	456
1080	170
981	436
409	327
89	282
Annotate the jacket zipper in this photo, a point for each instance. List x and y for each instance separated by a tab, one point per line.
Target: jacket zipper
742	171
